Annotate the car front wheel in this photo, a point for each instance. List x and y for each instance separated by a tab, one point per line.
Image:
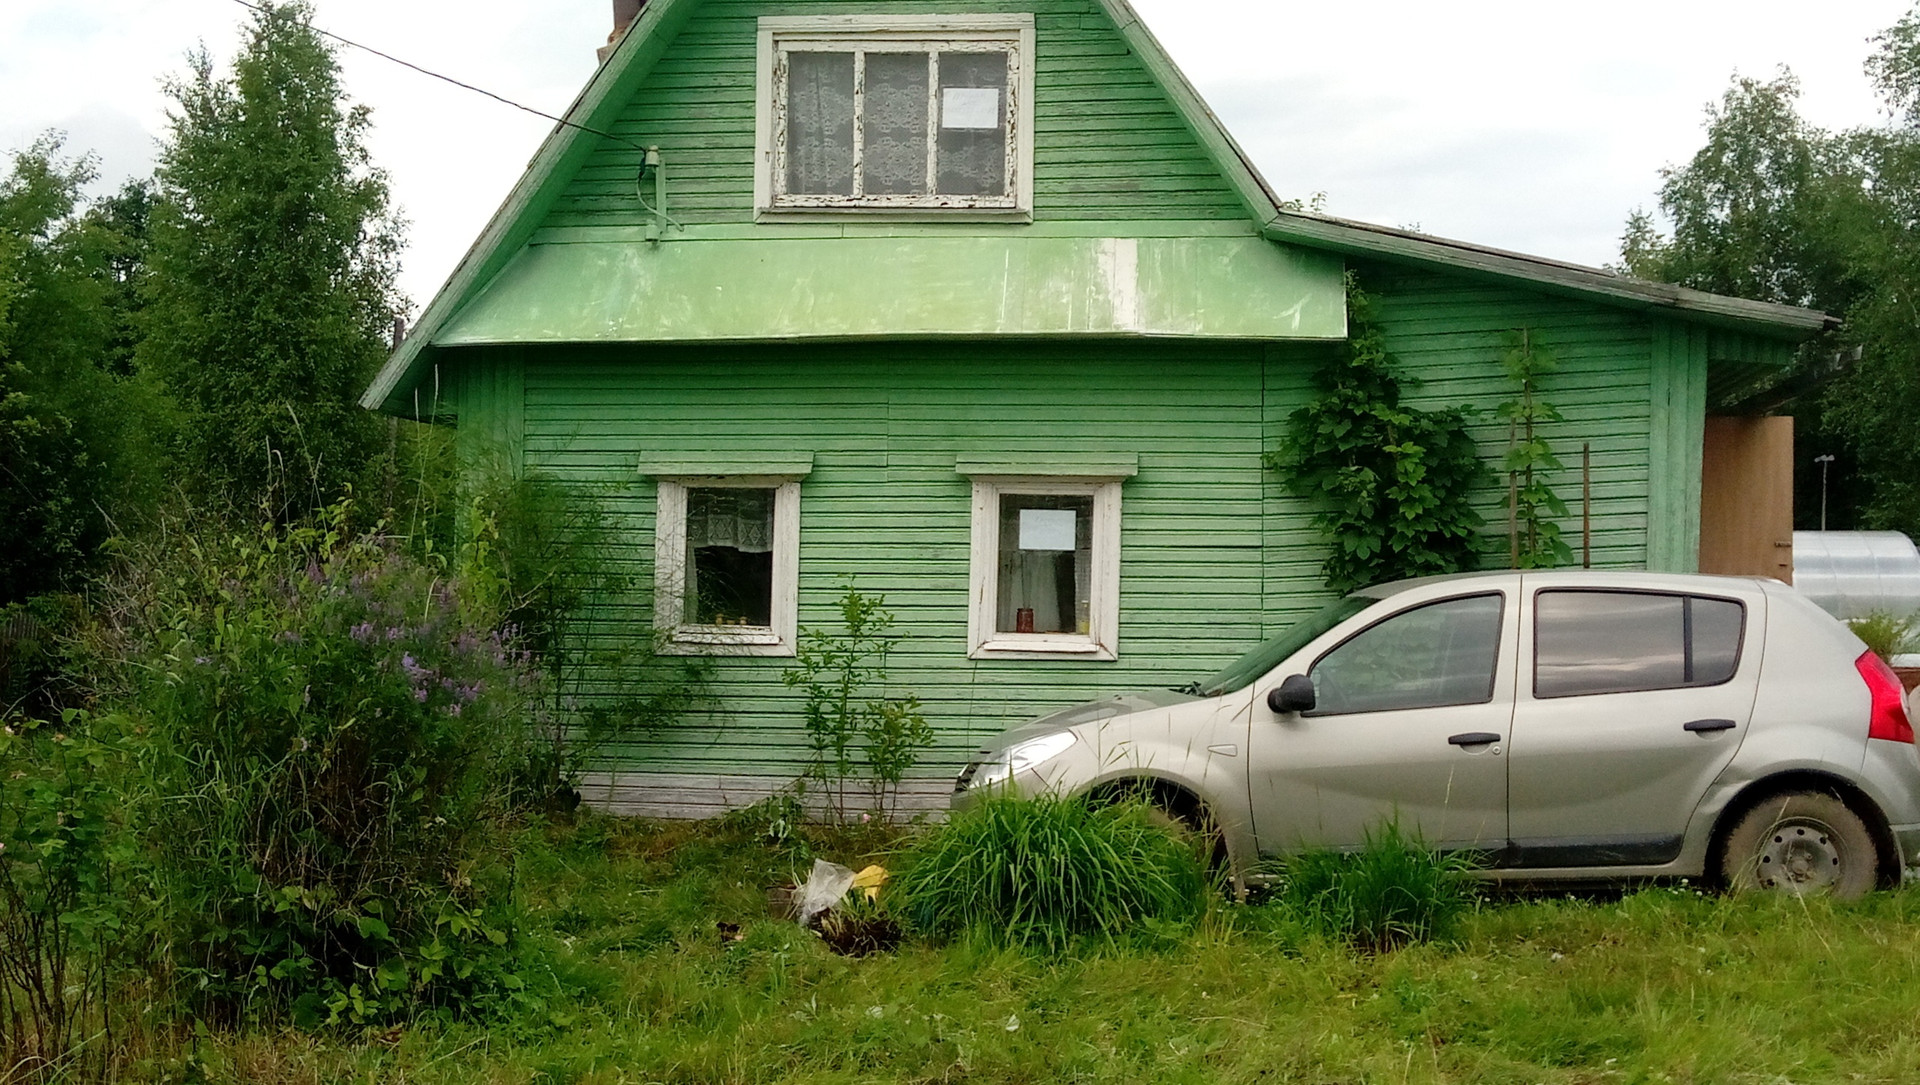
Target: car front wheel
1801	842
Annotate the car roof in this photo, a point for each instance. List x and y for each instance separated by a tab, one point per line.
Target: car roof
1566	578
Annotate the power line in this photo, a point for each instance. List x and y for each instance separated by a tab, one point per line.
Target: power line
449	79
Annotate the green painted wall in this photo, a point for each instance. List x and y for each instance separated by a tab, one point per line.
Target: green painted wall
1108	144
1613	370
1215	555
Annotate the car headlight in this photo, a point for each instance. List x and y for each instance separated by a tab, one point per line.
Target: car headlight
1021	757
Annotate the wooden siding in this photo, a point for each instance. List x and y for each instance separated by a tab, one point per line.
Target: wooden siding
1215	554
1451	333
885	425
1679	389
1107	142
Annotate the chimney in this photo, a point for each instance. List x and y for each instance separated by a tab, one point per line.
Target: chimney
624	13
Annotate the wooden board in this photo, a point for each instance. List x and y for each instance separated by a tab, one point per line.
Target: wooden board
1746	497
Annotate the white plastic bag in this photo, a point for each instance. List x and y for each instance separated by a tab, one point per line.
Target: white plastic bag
826	887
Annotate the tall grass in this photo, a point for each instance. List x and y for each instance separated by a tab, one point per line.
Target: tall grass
1885	633
1393	891
1045	872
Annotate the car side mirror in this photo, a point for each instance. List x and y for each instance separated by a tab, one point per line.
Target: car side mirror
1293	695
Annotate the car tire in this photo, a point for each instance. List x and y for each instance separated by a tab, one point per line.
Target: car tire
1801	842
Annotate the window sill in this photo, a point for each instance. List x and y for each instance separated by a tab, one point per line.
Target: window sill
1042	646
716	640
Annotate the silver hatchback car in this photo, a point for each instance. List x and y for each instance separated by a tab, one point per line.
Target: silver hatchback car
1564	725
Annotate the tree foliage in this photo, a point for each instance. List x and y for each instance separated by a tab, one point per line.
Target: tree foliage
1777	209
271	292
1391	481
74	423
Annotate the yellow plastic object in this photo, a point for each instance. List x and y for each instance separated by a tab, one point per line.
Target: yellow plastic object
870	880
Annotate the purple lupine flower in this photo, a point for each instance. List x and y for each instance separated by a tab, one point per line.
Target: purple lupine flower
420	694
362	632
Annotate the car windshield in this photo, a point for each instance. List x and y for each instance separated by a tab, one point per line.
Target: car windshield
1241	672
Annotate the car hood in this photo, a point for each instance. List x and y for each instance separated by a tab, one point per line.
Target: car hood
1090	712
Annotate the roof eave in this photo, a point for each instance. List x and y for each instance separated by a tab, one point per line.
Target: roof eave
1400	246
632	57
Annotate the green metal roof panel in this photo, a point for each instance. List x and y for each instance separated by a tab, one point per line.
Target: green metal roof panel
872	287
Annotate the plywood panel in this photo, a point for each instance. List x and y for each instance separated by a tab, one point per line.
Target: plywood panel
1746	497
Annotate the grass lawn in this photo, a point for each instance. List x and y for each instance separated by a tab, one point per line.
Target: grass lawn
638	984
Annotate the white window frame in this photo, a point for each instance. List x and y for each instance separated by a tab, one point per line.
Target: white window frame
670	572
780	35
1102	639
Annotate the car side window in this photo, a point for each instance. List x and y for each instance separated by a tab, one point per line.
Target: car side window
1588	642
1433	655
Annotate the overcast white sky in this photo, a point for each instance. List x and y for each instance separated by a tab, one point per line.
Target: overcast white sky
1525	124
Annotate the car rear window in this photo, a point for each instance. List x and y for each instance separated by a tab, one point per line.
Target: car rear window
1621	642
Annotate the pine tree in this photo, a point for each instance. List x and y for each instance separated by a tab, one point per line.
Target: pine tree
270	276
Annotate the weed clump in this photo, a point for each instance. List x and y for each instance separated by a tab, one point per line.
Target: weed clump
1886	633
331	740
1044	872
1392	892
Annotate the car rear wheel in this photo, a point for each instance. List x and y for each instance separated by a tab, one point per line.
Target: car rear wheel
1800	843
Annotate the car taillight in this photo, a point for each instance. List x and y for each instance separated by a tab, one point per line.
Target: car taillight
1889	700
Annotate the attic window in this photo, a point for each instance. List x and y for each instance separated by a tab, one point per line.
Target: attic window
901	114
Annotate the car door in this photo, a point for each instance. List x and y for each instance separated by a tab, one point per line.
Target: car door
1411	718
1635	700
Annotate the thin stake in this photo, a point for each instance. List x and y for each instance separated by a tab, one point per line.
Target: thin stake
1513	502
1586	505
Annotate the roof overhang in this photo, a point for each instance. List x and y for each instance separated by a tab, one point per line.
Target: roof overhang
1783	322
917	287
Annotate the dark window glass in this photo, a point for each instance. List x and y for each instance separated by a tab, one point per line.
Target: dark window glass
1717	624
820	124
1046	563
1270	653
1619	642
973	124
1438	654
729	557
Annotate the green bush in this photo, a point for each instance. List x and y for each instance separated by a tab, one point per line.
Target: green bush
842	674
1885	633
64	861
332	738
1044	872
543	557
1391	892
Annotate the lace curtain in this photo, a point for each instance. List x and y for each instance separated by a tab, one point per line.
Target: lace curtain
734	518
895	125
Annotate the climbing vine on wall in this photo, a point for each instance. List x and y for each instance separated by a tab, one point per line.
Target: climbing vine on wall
1391	482
1533	535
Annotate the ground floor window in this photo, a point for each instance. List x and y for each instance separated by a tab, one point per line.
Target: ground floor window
726	564
1046	567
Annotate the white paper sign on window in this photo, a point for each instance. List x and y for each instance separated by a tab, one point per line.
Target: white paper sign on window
1046	529
970	107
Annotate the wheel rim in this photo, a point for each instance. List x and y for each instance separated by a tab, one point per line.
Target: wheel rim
1800	855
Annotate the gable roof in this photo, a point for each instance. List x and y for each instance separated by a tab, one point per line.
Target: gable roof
569	144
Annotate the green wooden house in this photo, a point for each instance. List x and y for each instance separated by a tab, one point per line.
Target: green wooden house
975	303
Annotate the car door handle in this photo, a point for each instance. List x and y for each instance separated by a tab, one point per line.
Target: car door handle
1707	726
1473	738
